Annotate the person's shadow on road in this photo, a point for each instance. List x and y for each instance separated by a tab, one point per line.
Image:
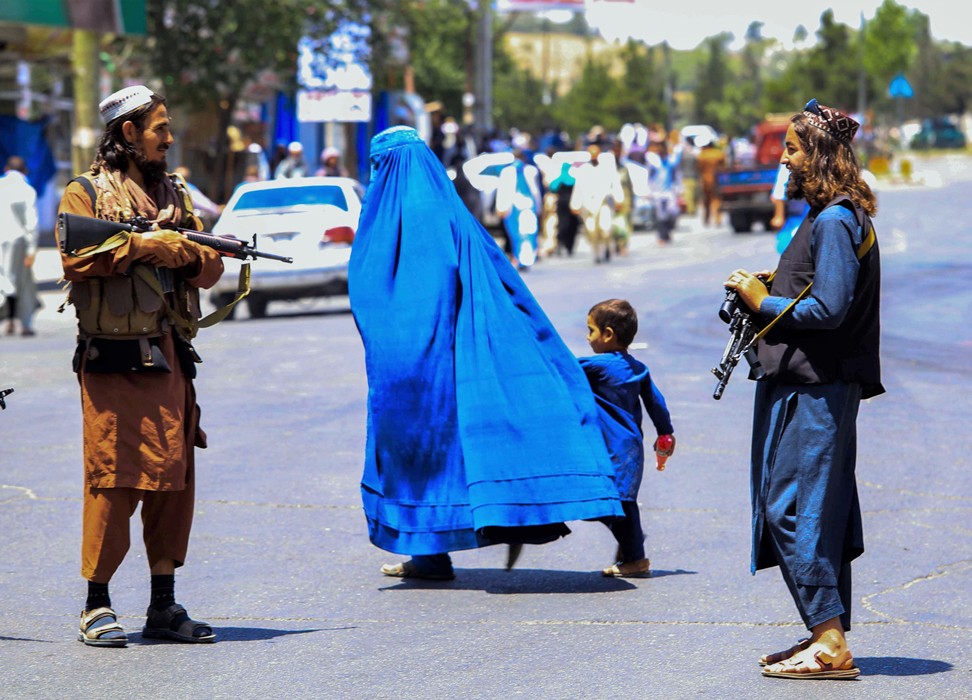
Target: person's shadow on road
900	666
240	634
530	581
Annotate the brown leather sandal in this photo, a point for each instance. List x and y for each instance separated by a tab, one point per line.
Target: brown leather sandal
827	667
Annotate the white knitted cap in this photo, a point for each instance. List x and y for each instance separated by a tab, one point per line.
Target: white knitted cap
124	101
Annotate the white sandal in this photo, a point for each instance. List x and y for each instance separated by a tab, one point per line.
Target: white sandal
100	628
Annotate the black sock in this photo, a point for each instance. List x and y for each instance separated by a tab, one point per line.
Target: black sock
163	591
97	596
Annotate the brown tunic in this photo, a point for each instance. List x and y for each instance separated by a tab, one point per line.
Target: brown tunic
139	427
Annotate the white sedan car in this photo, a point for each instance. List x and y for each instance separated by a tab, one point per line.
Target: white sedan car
311	219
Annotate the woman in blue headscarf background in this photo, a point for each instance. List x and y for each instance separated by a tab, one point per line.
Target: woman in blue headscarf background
461	361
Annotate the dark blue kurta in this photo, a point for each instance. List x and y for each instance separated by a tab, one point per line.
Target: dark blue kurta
806	513
621	383
478	414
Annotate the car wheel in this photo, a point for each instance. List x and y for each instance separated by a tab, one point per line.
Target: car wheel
257	306
741	223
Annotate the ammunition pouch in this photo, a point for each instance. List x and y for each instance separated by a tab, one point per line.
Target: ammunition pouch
135	306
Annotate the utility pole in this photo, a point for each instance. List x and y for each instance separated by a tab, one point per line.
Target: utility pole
84	59
483	107
862	76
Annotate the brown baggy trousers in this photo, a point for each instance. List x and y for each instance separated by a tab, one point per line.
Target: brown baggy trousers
166	522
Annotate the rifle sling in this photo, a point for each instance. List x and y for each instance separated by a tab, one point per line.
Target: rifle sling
865	246
242	290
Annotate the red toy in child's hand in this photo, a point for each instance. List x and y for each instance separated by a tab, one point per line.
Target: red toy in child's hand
664	447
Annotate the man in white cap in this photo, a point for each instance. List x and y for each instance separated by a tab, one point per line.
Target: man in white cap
137	304
293	165
331	164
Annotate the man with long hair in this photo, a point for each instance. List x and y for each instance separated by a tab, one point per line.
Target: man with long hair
137	303
821	359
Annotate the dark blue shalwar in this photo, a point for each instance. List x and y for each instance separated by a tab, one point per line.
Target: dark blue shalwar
806	513
621	383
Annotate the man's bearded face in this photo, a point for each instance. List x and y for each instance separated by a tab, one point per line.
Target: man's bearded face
150	147
794	186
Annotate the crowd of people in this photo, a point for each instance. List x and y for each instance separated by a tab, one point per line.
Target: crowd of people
538	192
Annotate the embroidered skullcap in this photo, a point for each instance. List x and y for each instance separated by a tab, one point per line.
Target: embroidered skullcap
831	120
295	147
123	102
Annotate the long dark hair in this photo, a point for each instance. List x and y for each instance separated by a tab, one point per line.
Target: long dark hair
832	168
113	151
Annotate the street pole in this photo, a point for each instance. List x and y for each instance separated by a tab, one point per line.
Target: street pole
84	59
668	93
862	77
483	108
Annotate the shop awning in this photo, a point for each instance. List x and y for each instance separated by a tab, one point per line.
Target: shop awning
109	16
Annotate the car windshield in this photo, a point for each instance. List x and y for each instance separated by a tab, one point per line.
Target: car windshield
293	196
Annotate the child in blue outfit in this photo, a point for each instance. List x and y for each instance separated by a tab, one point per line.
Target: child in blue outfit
621	384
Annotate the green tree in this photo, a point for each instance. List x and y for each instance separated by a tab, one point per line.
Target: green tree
207	53
639	96
829	70
517	97
889	46
584	106
710	85
441	39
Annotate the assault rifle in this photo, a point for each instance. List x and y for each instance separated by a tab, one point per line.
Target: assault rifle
3	394
81	234
742	334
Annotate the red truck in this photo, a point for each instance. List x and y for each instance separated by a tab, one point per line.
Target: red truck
745	188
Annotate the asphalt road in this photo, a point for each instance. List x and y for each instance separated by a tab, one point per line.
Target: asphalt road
280	561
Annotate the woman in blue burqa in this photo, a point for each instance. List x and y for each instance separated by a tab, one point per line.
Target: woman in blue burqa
482	428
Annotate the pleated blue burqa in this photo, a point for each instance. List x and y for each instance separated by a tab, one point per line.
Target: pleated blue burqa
480	420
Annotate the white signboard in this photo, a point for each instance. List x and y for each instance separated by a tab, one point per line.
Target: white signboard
335	77
333	106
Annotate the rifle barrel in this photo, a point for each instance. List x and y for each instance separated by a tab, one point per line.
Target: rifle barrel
232	246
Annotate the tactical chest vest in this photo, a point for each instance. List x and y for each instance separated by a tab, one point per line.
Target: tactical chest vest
144	303
848	353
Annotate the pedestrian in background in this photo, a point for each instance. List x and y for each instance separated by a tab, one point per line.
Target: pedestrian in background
518	203
331	164
597	194
621	383
690	174
137	303
18	247
621	226
206	209
788	214
664	183
568	223
710	162
820	359
293	165
481	426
